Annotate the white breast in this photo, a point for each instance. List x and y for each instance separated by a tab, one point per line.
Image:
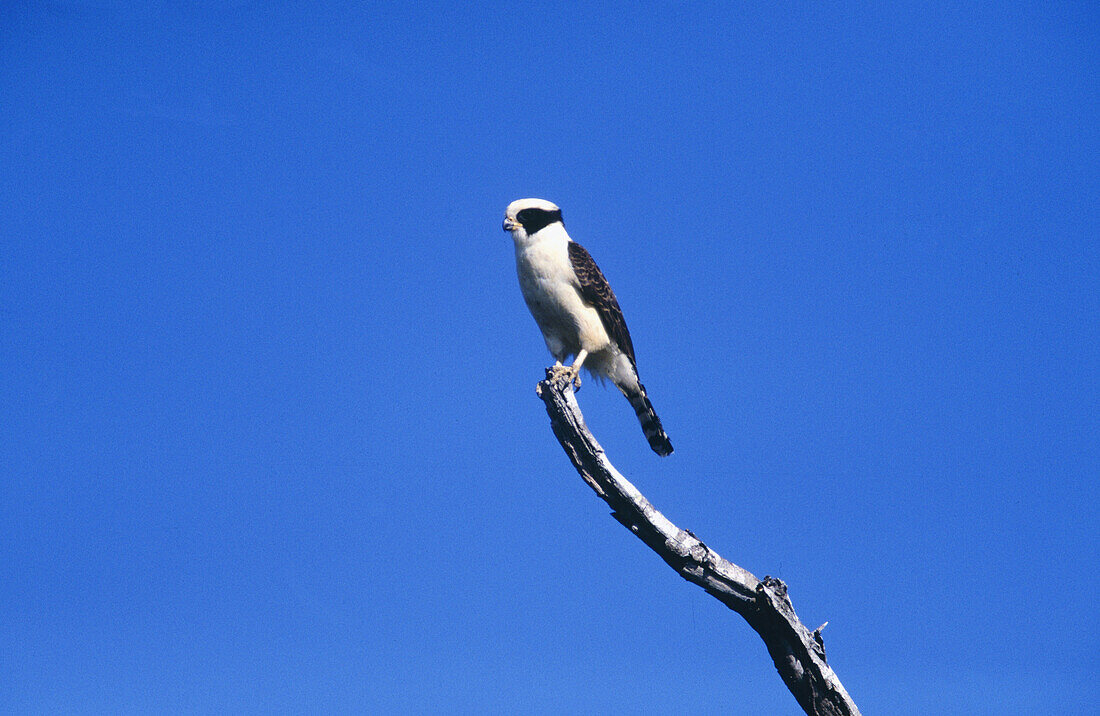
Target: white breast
550	289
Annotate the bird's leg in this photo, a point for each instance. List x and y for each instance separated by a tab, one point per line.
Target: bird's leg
575	369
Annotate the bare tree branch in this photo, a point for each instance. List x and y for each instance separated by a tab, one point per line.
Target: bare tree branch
798	653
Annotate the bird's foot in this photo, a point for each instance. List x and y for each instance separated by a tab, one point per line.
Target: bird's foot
566	374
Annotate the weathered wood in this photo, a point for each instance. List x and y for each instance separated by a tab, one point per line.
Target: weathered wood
798	653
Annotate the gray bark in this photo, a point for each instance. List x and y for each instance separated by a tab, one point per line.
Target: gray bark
798	653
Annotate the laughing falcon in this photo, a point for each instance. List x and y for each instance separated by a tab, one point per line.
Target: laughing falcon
575	308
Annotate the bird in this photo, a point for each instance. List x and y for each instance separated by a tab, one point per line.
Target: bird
575	309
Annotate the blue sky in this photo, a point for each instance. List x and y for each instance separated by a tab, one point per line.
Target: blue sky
270	437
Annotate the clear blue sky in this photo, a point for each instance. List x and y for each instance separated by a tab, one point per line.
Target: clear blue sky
269	435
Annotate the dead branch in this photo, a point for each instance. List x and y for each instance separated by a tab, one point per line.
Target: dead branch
798	653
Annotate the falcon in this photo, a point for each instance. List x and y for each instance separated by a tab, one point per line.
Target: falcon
575	308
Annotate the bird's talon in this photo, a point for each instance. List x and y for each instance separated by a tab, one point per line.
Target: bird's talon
567	375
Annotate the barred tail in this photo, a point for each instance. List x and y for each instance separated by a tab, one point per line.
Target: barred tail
651	424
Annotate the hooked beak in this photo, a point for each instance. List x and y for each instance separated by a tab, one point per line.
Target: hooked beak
510	224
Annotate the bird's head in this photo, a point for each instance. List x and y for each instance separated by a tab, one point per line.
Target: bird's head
525	217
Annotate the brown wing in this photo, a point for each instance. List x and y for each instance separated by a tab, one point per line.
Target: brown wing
596	291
